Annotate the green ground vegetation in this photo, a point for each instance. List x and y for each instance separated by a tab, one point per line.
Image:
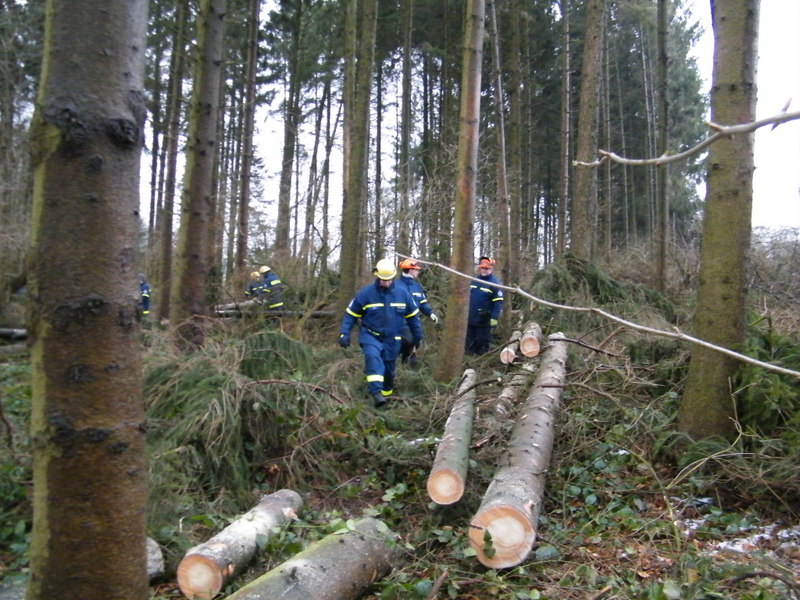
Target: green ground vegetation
631	509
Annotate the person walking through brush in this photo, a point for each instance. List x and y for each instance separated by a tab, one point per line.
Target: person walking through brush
384	309
411	270
485	306
144	291
272	288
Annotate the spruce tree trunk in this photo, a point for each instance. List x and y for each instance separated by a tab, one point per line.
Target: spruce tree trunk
87	418
707	408
243	228
356	151
190	280
584	198
455	326
173	117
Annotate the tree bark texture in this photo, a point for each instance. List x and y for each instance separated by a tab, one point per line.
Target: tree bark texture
584	198
448	474
87	417
338	567
455	327
707	408
188	295
503	530
498	409
205	568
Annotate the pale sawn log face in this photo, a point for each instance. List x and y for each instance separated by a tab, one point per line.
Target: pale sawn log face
206	567
503	530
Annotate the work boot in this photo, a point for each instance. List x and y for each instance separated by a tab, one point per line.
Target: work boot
378	401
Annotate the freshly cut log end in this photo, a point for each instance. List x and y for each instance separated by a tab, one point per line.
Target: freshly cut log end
199	577
445	486
510	539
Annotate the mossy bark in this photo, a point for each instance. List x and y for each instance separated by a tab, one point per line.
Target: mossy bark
707	408
89	475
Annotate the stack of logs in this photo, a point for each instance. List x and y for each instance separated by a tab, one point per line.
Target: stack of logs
503	530
344	564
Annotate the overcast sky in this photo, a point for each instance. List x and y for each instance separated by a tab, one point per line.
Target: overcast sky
776	185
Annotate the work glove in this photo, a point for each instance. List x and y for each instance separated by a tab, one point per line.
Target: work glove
493	323
416	344
434	318
344	340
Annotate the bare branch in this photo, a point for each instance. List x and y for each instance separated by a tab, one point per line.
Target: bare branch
675	334
721	132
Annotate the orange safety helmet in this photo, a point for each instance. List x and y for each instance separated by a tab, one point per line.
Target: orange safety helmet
409	263
485	261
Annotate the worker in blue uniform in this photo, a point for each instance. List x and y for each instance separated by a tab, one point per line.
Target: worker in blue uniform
383	308
485	306
410	271
144	292
256	287
272	288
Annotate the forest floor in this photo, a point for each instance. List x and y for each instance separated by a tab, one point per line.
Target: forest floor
630	511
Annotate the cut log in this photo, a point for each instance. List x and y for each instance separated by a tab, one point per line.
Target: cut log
205	568
500	407
155	560
509	352
449	471
338	567
530	344
13	334
503	530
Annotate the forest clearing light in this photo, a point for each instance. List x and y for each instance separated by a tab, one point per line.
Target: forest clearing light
776	182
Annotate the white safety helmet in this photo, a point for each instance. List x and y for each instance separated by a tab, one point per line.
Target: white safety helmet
385	269
263	269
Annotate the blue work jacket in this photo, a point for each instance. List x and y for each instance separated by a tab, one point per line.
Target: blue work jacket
418	293
485	301
384	313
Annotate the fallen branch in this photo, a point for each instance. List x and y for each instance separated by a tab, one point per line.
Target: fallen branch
722	131
677	335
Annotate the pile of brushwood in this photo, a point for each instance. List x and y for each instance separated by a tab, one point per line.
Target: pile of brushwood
630	510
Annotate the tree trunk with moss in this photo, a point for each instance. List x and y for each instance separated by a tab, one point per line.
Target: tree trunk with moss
87	418
584	197
358	85
707	408
341	566
188	295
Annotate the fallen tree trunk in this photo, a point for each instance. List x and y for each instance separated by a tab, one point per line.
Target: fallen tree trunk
13	334
509	352
503	530
530	344
338	567
500	407
205	568
449	471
